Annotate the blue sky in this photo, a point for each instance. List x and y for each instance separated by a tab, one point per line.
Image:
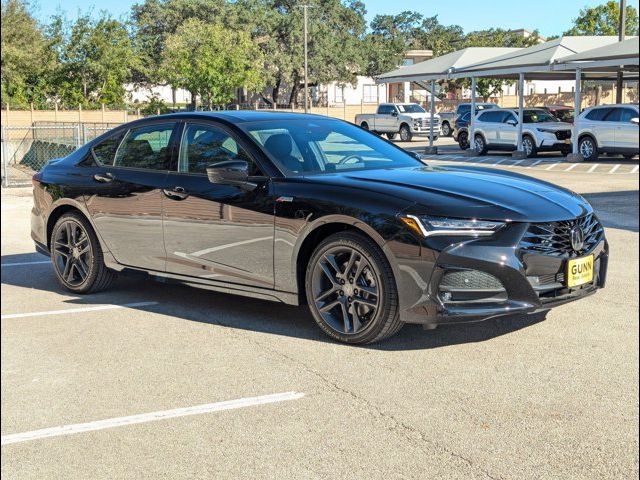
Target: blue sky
551	17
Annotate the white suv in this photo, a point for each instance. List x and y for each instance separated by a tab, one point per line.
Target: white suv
541	131
608	129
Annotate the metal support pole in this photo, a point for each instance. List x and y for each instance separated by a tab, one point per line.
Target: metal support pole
621	36
472	122
432	112
519	152
575	155
5	179
306	64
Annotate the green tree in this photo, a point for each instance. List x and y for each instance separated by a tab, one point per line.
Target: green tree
97	59
211	61
603	20
26	59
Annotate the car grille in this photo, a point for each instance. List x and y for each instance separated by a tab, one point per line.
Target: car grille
563	134
424	123
471	279
554	238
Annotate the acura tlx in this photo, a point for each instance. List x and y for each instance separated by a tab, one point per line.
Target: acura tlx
307	210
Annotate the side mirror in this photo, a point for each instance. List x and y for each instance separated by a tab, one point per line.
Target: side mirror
394	114
513	123
231	172
635	121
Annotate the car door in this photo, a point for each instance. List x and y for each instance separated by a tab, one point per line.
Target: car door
487	122
129	172
508	128
604	130
213	231
387	120
626	133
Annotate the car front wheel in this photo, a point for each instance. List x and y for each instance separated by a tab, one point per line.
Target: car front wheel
480	145
529	147
77	256
405	133
463	140
588	148
351	290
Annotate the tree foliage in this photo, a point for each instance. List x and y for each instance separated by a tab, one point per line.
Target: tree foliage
211	61
604	20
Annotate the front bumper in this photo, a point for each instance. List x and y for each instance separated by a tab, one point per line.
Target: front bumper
523	277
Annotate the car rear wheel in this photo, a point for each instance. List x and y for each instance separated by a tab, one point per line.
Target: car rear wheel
463	140
446	129
588	148
480	145
405	133
365	125
77	257
529	147
351	290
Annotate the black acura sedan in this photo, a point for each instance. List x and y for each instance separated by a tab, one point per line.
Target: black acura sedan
303	209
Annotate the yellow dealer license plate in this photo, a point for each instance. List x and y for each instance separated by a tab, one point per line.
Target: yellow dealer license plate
579	271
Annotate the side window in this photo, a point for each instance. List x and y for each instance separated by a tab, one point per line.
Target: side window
507	116
626	114
279	143
491	117
105	151
386	109
206	145
146	147
598	114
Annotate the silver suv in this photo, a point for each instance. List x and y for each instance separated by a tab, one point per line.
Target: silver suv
541	132
608	129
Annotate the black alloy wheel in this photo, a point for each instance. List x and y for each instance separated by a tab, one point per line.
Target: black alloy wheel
446	129
351	290
77	256
463	140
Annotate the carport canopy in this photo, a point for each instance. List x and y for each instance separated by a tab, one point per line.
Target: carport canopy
615	55
537	63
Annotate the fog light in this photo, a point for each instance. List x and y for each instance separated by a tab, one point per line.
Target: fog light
446	296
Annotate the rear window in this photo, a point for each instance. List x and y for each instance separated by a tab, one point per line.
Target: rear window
492	117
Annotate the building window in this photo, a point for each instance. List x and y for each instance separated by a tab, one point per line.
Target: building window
370	93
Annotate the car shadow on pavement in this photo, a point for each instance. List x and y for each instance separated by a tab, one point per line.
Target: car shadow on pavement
228	311
616	209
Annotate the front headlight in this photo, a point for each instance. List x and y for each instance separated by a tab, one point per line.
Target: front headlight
431	226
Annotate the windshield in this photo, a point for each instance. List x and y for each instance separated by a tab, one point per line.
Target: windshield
325	146
538	116
411	108
564	115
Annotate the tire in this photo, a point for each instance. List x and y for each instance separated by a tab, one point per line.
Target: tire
77	256
480	145
365	125
628	156
529	146
405	133
463	140
588	148
339	271
446	129
391	136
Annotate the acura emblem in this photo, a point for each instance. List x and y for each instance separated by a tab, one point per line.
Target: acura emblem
577	238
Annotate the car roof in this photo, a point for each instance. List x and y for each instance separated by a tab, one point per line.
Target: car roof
237	116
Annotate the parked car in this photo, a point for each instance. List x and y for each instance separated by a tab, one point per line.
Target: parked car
406	119
461	130
608	129
563	113
541	132
448	119
304	209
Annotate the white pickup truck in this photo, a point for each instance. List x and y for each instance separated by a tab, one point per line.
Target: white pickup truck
406	119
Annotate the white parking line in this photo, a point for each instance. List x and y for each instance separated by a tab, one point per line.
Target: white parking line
593	168
516	163
571	167
614	168
535	163
552	166
635	169
19	264
149	417
77	310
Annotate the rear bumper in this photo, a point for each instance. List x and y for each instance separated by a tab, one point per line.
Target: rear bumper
498	256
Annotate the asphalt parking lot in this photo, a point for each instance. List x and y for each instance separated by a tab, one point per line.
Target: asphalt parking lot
547	396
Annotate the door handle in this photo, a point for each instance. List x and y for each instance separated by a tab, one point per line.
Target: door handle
103	178
176	193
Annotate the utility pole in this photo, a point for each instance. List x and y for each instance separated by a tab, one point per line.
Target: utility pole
621	35
306	60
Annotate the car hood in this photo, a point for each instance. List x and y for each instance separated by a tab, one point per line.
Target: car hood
468	192
419	115
551	125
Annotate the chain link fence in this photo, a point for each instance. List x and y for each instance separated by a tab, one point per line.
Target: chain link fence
25	150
